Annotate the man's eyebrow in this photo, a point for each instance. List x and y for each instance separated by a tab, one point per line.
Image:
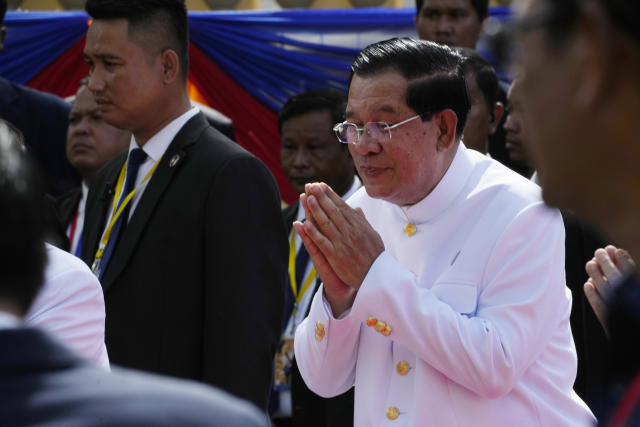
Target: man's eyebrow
385	108
109	56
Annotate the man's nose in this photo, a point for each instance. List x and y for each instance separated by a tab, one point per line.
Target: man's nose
82	127
96	82
444	25
367	144
301	159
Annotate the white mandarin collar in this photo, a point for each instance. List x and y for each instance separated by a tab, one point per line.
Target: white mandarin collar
158	143
354	187
443	194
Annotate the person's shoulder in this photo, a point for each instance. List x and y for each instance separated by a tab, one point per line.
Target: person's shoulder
42	99
61	262
160	401
496	178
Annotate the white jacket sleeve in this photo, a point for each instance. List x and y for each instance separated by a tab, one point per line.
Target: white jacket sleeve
326	349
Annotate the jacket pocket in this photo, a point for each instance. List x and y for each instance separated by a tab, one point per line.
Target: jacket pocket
461	296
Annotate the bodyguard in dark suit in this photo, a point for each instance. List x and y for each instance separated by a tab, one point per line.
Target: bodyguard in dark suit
43	383
193	264
310	152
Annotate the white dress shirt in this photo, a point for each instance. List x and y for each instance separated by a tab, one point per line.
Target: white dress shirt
476	308
154	148
70	305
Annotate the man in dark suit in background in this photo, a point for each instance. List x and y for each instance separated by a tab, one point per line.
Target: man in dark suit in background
190	249
459	23
42	119
91	143
41	381
310	152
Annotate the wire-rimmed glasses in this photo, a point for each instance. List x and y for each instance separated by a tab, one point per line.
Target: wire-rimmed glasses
348	132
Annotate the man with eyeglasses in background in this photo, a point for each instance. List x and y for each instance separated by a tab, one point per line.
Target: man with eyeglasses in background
443	297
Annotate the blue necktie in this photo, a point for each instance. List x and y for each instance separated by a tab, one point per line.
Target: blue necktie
136	157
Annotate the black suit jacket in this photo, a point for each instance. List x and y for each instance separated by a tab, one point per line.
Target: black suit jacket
42	118
195	285
309	409
42	383
59	214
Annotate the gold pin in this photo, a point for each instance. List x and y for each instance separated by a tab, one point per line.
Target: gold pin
371	321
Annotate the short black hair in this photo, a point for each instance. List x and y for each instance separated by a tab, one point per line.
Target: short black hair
434	72
332	100
483	72
3	10
480	6
22	251
166	19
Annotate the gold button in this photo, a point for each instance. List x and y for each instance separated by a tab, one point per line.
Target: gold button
410	229
380	326
319	331
371	321
386	331
393	412
402	368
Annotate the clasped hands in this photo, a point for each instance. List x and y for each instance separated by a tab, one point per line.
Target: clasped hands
341	242
605	270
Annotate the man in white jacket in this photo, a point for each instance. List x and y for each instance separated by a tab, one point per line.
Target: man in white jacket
447	304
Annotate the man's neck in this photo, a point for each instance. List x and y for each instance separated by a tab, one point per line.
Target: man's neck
173	112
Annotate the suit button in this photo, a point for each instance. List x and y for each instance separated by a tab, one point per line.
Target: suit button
319	331
386	331
402	368
371	321
393	412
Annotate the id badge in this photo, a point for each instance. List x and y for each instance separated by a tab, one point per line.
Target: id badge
283	364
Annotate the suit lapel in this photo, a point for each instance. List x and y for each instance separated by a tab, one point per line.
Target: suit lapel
289	215
97	208
169	166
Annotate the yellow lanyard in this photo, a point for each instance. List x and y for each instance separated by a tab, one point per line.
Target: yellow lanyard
292	276
116	214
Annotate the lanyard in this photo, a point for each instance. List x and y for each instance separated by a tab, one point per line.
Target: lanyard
115	214
292	276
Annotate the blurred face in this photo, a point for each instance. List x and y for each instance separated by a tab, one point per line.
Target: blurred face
449	22
405	169
126	76
560	138
92	142
311	153
518	142
479	123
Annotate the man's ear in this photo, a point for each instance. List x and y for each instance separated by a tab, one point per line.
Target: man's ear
170	65
496	117
596	52
446	121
